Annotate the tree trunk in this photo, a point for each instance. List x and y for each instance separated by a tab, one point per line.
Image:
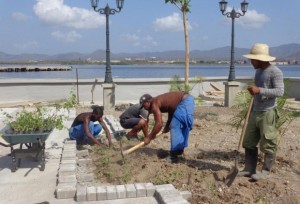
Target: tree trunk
187	52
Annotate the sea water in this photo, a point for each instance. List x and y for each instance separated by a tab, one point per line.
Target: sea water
145	71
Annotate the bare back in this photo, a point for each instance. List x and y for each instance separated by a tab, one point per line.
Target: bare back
167	102
164	103
81	118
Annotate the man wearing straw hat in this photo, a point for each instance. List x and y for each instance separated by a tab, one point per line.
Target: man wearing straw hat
262	122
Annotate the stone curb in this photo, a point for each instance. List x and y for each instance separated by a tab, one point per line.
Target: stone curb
69	187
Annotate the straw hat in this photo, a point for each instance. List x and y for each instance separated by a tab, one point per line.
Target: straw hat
260	52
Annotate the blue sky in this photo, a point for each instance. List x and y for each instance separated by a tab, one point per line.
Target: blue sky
61	26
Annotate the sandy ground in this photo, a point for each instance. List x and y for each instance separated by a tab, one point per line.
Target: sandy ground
207	162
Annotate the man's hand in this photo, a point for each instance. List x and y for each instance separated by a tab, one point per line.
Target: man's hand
112	146
253	90
147	140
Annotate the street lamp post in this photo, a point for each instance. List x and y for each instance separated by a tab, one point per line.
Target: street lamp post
233	14
107	11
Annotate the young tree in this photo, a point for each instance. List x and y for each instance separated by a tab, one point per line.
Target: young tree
184	7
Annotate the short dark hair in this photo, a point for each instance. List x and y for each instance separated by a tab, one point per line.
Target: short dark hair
98	110
144	98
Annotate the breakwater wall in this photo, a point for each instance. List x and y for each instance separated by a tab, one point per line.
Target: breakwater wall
20	91
34	68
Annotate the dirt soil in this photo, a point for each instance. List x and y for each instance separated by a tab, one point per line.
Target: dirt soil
206	163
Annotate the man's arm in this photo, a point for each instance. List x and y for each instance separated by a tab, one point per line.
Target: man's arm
275	91
107	133
157	125
86	122
167	126
278	85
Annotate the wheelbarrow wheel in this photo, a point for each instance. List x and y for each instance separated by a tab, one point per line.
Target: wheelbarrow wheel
15	163
42	166
43	160
14	167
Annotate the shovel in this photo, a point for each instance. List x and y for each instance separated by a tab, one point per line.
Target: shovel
234	170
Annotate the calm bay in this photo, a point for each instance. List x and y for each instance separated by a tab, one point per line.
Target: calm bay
146	71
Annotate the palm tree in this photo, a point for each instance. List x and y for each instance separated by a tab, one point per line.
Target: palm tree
184	7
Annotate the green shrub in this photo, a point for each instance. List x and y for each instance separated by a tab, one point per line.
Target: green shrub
39	119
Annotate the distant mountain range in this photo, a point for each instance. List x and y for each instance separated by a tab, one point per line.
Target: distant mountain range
285	52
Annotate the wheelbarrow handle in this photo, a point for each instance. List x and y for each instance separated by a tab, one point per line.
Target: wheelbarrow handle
5	145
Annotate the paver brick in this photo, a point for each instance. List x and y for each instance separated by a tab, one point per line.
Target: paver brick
68	161
65	190
85	177
140	189
101	193
81	193
181	201
70	142
111	192
67	168
69	155
91	194
69	148
150	188
130	191
121	191
165	196
187	195
70	178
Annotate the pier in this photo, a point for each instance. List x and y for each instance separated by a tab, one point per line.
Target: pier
34	68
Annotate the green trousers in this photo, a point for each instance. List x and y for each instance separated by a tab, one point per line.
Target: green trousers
262	129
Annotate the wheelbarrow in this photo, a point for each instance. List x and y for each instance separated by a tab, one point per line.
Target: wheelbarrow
35	143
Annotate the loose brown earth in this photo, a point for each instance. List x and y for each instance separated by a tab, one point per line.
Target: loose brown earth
208	159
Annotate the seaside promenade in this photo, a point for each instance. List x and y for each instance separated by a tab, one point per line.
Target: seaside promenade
30	185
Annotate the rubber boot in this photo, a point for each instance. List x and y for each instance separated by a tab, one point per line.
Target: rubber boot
266	169
251	157
174	156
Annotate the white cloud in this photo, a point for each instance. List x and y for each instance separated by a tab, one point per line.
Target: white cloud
71	36
57	13
18	16
171	23
253	19
138	41
27	46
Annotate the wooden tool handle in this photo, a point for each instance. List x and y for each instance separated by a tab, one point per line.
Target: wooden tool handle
137	146
134	148
245	123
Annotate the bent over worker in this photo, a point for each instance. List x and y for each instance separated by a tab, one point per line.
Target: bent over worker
136	119
180	108
84	129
